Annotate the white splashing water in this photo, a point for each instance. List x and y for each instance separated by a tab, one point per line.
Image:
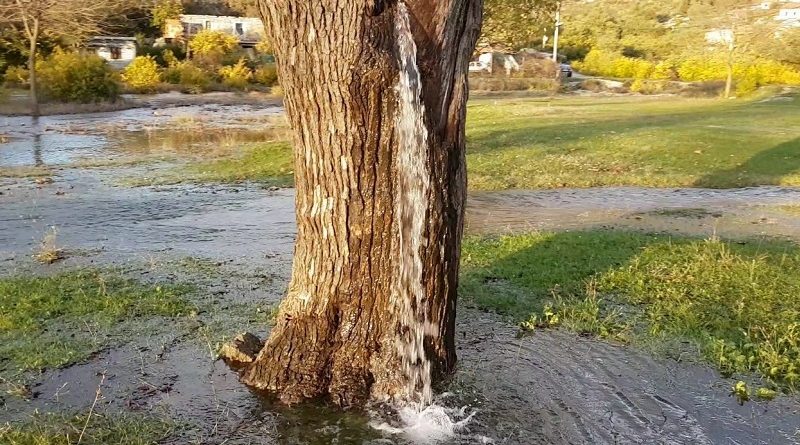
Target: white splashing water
418	417
433	424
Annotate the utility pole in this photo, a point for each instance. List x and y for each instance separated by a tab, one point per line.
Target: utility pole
555	33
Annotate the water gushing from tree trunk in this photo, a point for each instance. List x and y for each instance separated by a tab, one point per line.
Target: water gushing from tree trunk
411	206
420	417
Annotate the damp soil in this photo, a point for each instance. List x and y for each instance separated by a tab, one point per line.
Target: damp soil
549	387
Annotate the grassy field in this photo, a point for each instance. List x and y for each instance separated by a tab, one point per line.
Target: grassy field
646	141
54	321
525	143
737	303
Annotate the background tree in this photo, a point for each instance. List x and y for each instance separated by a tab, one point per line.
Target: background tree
342	330
165	10
516	24
38	19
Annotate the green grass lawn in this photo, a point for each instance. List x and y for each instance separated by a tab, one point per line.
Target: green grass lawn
55	321
526	143
646	141
738	303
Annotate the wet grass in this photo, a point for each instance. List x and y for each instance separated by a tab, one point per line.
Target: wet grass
737	303
57	429
25	172
269	163
48	322
663	142
527	143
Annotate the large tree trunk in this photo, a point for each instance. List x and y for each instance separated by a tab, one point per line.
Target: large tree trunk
375	271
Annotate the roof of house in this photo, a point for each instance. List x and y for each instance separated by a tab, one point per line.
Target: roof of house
107	40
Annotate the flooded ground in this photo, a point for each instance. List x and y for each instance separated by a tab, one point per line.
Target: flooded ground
729	213
549	387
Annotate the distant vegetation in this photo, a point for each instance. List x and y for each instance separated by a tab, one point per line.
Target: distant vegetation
70	76
654	41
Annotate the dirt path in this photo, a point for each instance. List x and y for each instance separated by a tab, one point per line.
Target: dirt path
731	213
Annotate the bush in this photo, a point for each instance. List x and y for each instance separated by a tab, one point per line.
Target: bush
266	75
164	55
541	68
189	76
212	46
643	86
665	70
491	83
16	77
712	88
749	73
746	86
265	46
236	76
702	69
142	74
77	77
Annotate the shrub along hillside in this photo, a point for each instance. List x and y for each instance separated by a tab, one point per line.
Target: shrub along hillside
669	40
217	64
749	73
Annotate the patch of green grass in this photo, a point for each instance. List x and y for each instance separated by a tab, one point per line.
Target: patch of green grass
54	321
269	163
25	172
56	429
585	142
739	303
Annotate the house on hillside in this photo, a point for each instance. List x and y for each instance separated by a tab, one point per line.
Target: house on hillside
493	59
118	51
720	36
248	30
789	15
788	11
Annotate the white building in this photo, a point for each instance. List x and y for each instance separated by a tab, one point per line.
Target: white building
118	51
249	30
789	14
719	36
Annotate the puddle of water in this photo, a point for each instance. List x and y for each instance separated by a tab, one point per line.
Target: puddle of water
549	388
189	130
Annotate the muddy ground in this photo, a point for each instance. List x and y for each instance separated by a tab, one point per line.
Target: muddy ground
234	243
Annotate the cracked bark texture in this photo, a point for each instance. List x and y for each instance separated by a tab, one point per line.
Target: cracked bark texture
338	64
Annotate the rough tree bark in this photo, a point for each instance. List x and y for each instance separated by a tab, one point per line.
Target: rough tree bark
338	327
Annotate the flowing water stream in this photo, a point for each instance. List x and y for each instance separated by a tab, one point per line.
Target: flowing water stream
413	181
420	418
